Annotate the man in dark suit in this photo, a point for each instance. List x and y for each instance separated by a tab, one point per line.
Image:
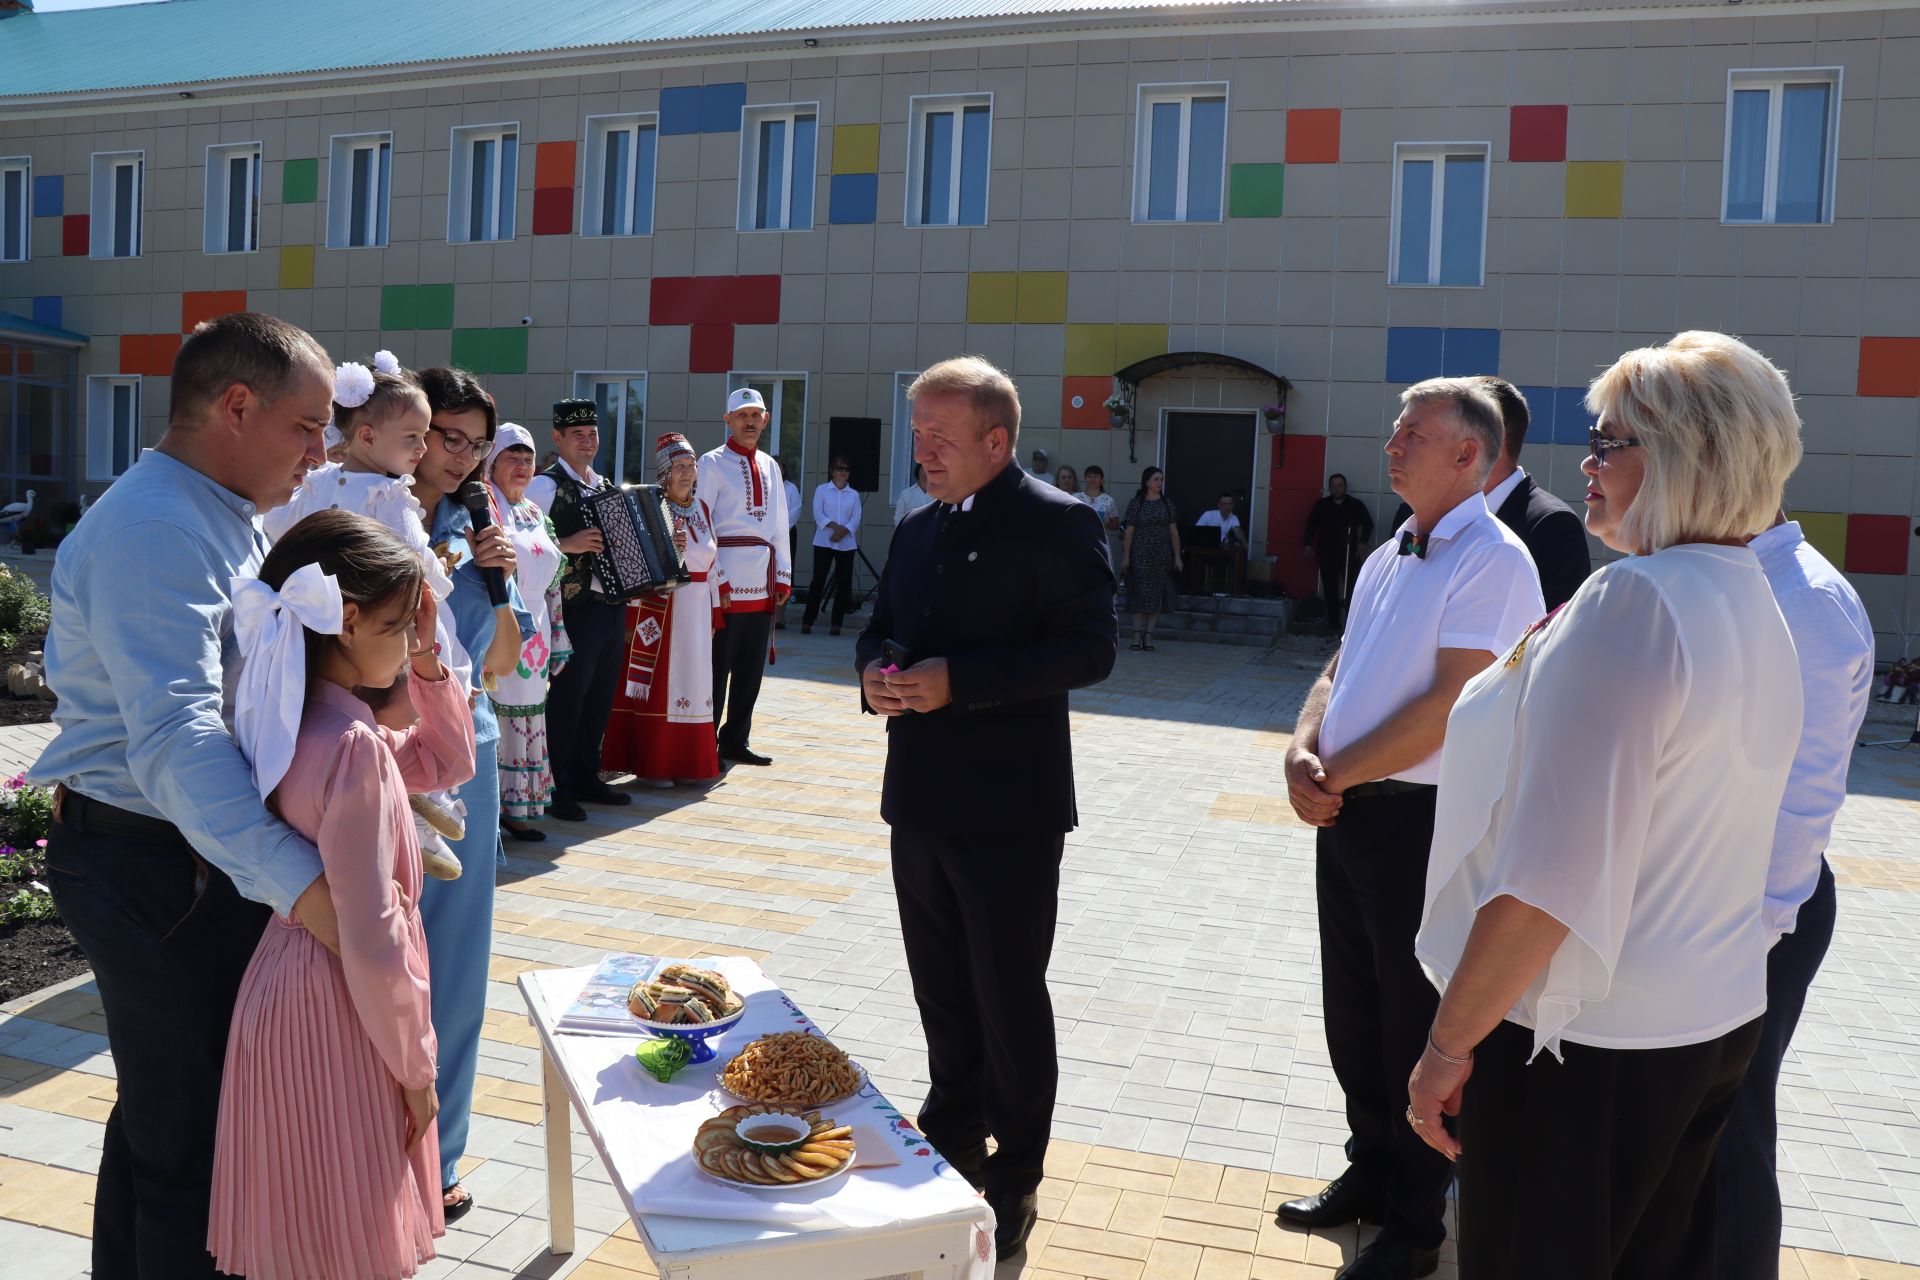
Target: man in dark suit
1555	534
1001	594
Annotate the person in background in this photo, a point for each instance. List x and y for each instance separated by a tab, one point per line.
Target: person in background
792	491
1833	641
1899	685
1556	538
911	498
1067	480
1222	518
1097	497
836	536
1149	548
1041	471
1339	530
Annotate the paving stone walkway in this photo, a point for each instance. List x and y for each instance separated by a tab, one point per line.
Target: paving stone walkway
1181	1121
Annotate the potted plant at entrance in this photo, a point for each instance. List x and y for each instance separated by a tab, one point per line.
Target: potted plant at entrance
1119	412
1274	416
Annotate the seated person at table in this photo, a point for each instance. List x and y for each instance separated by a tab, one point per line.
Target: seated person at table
1223	519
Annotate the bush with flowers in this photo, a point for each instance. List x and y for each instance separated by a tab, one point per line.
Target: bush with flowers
26	816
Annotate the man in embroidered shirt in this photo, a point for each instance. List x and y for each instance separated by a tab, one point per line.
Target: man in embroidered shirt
747	495
1433	606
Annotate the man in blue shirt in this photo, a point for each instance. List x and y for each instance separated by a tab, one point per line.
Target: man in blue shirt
162	851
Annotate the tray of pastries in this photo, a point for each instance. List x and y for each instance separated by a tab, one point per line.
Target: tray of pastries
757	1147
793	1069
681	996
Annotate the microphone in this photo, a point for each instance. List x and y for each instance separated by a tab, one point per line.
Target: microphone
473	496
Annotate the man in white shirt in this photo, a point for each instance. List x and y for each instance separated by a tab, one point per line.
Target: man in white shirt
1834	641
1041	470
1432	608
836	536
1223	519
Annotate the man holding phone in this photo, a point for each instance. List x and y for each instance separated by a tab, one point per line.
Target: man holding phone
997	599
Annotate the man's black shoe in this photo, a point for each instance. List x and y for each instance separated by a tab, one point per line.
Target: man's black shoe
601	793
740	755
972	1165
1348	1198
1391	1258
1014	1223
566	810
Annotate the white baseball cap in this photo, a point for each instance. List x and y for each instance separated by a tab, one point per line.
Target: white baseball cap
745	398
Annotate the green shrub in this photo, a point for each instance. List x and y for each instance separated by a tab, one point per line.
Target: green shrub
29	903
23	610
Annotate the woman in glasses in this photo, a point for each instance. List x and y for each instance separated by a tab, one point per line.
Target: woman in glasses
1606	806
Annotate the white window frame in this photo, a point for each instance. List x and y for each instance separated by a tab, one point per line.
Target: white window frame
506	200
341	149
1145	97
900	474
584	381
919	108
214	234
770	438
598	128
1775	80
751	118
23	165
1438	152
102	228
103	463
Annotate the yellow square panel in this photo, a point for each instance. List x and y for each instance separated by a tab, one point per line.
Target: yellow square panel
1827	531
1043	297
1089	351
1137	342
991	296
856	148
296	266
1593	188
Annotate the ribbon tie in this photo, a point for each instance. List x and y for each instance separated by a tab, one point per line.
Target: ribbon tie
1413	544
271	628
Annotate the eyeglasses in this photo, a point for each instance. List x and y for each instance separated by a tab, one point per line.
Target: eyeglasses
459	444
839	470
1600	446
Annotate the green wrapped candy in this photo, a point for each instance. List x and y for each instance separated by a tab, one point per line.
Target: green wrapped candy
663	1056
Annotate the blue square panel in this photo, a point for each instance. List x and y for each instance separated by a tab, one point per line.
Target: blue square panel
853	198
1571	420
680	109
720	107
49	196
49	311
1470	352
1539	413
1413	355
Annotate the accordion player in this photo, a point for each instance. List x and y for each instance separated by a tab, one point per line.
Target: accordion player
638	555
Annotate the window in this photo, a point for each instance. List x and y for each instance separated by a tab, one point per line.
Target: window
947	161
486	161
776	168
626	453
1439	214
16	180
233	198
119	179
1180	153
621	155
359	184
113	426
1782	130
786	397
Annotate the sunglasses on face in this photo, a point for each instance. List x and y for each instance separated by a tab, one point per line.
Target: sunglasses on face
1600	446
460	445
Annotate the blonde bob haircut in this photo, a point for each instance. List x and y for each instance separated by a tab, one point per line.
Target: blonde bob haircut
996	403
1716	422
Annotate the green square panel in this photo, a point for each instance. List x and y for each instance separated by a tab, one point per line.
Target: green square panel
1089	352
300	182
509	348
1256	190
399	307
433	306
473	350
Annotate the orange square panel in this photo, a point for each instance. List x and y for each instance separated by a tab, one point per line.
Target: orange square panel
553	165
1889	367
1313	135
149	354
1878	544
209	305
1083	403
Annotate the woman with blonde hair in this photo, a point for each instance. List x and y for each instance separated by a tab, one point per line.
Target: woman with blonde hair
1600	851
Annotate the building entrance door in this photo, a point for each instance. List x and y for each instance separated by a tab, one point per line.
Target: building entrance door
1208	453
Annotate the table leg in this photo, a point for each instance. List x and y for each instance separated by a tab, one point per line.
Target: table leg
557	1116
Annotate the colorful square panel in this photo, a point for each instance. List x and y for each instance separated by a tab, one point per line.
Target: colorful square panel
680	109
49	196
49	311
853	199
76	235
473	350
756	300
149	354
856	148
1878	544
399	306
1571	421
711	299
433	306
299	181
710	348
1135	342
1889	367
1540	403
1467	353
1042	297
1827	533
1255	190
993	297
553	210
1594	188
209	305
1537	134
670	300
296	267
1413	353
553	165
720	106
1083	402
1089	351
507	350
1299	464
1313	135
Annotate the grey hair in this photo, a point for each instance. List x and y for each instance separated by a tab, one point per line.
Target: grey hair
1474	407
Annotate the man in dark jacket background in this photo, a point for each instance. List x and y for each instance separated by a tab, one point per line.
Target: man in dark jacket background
1555	534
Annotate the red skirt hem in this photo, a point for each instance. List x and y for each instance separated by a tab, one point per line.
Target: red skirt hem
651	746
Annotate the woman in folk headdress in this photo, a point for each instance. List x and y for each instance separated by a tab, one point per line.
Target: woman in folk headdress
662	725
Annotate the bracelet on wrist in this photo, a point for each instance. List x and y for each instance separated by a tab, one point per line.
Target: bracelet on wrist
1446	1057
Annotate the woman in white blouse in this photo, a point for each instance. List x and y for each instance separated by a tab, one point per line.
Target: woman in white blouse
1606	806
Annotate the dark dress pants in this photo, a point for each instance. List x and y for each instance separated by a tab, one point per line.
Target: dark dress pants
1371	879
1596	1168
580	699
169	939
977	916
1339	570
838	564
1749	1209
739	661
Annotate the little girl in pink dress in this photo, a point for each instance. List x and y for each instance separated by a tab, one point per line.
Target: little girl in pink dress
327	1161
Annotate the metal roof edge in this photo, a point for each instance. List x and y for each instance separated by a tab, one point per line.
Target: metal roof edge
20	327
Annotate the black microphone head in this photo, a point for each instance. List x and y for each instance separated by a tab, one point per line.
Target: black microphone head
473	495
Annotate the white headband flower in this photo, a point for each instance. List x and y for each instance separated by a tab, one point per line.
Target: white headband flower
386	362
352	385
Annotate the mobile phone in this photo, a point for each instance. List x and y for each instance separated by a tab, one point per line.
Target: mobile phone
895	655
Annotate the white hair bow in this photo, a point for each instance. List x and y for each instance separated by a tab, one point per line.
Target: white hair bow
352	384
271	628
385	361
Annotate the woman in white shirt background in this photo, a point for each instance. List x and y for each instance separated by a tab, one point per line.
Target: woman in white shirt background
1606	807
836	533
911	498
1096	496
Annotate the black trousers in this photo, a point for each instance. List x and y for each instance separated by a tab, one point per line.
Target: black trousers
1749	1184
977	916
1371	880
1336	592
580	699
1596	1168
739	661
840	565
169	939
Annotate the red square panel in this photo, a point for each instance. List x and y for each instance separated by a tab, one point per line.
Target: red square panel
671	301
1313	136
149	354
1537	134
712	299
756	300
1299	464
75	235
1878	544
711	349
553	166
209	305
553	210
1889	367
1286	523
1091	413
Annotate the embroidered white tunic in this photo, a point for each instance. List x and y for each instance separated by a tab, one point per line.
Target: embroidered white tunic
748	500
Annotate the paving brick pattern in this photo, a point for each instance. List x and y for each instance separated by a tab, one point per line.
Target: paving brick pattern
1181	1122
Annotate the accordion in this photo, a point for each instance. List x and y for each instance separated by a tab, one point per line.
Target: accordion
639	556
